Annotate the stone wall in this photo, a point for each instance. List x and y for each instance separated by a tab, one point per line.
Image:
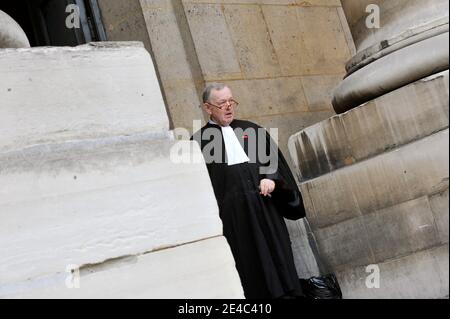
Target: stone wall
282	58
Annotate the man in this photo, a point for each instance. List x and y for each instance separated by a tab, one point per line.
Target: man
254	189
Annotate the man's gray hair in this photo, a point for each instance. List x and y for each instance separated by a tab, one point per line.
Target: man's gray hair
211	87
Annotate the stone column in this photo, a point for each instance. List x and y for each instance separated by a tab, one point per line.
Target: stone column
11	34
410	43
375	177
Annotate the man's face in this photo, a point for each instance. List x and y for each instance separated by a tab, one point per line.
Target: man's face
223	98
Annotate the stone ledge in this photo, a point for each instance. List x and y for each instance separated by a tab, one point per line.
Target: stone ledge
405	228
52	95
11	34
209	274
387	47
300	3
395	18
414	170
398	118
393	71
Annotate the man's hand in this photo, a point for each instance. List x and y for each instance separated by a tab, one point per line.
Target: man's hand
267	186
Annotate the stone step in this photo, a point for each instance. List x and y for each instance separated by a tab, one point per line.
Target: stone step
201	270
421	275
409	172
51	95
400	117
386	47
396	18
386	234
86	202
393	71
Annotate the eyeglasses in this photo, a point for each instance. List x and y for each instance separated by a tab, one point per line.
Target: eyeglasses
230	103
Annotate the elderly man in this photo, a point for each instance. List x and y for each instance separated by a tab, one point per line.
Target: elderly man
254	189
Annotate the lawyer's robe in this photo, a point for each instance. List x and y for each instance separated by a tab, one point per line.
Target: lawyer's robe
253	224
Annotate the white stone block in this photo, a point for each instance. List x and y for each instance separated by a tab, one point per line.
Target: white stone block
87	202
201	270
50	95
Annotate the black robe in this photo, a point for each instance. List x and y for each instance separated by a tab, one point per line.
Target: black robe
253	224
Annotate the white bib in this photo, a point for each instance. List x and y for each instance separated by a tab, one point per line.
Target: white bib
235	152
